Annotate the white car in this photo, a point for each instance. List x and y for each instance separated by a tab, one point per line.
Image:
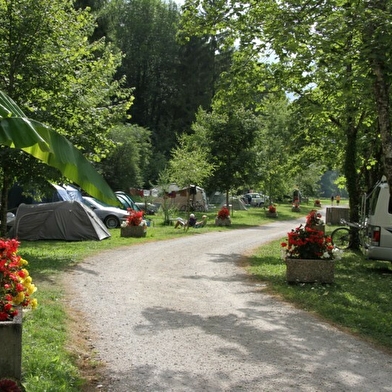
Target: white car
255	199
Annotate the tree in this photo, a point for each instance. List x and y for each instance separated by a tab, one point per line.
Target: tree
49	67
189	163
126	164
323	53
230	138
171	77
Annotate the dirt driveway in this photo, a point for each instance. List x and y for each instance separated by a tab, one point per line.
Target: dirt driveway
182	315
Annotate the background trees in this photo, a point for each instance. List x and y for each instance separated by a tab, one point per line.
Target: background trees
339	79
315	77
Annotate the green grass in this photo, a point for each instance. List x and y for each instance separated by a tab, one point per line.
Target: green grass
358	300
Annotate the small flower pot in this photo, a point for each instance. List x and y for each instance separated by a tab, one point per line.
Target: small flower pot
296	209
310	270
134	231
317	205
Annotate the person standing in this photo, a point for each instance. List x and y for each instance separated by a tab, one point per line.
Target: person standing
337	198
332	199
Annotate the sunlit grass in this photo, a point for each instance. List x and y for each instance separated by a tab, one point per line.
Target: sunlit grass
359	300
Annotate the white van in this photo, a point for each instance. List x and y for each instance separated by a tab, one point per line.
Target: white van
379	223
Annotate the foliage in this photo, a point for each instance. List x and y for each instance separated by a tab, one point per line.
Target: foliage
334	102
125	166
20	132
49	67
172	79
189	163
16	287
230	137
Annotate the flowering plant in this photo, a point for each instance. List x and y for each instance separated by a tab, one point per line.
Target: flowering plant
272	209
134	218
16	285
307	242
10	385
224	213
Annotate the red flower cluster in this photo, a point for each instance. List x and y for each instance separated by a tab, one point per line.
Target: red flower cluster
223	213
272	209
10	385
134	218
16	285
308	242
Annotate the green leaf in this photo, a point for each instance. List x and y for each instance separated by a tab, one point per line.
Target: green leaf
18	131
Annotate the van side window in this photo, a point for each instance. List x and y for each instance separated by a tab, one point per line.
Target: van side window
390	205
374	199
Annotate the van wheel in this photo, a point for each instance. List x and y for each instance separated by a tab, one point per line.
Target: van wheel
111	222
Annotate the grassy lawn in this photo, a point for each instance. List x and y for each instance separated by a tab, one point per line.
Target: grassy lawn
358	301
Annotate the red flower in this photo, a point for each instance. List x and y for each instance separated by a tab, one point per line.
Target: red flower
135	217
307	242
9	385
223	213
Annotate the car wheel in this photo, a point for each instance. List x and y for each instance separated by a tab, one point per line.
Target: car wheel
111	222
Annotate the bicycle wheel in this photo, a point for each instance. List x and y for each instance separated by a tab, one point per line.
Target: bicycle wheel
341	238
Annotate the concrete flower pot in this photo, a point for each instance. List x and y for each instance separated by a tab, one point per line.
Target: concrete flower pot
222	222
310	270
11	348
134	231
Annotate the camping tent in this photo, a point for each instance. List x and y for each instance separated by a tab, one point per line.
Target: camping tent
62	220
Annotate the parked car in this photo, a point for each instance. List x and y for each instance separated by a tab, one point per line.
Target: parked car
152	209
126	201
111	216
255	199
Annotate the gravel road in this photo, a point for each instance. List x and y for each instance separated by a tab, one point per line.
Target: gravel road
182	315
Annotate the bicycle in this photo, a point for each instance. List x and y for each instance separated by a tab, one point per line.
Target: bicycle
341	237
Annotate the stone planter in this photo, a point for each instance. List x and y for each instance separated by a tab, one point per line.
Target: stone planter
11	348
222	222
271	214
317	205
296	209
310	271
134	231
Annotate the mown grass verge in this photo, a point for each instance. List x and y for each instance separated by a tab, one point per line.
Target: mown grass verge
359	300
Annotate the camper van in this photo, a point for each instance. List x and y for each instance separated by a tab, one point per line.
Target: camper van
379	223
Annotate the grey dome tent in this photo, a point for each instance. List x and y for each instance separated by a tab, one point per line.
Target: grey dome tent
62	220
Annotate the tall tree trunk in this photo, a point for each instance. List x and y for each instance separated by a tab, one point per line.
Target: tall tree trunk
381	92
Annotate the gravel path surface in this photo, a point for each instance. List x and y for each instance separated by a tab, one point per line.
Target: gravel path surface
182	315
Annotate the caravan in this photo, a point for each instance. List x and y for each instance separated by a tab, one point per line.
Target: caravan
379	223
